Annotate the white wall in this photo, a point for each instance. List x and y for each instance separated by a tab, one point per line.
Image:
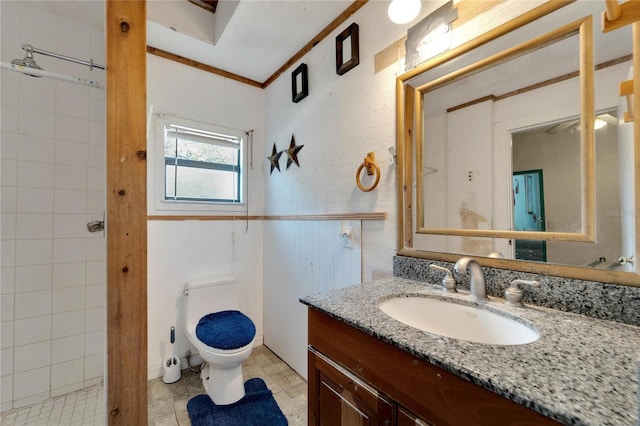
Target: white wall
341	119
304	257
53	183
182	250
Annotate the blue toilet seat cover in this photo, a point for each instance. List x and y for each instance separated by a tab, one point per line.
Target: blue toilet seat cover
226	330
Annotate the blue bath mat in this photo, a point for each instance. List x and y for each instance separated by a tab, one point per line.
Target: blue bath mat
257	408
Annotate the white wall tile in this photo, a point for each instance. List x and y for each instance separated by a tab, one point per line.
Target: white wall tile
68	324
32	330
9	118
95	296
96	248
72	104
97	133
96	179
32	304
67	373
74	32
6	302
41	22
97	109
7	253
94	319
69	274
9	145
34	200
97	157
70	177
33	252
37	97
9	172
6	334
33	278
31	226
96	202
67	348
31	383
7	280
8	199
94	366
96	272
69	250
6	363
94	342
70	201
69	225
8	226
10	91
35	175
68	299
72	129
28	357
36	148
72	153
6	393
36	123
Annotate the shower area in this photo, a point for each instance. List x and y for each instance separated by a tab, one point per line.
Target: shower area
53	247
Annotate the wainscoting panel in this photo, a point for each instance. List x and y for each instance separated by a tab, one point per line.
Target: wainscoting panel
303	257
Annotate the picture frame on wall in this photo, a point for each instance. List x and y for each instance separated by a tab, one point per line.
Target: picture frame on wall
299	83
347	49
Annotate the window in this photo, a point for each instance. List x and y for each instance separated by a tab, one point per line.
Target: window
202	165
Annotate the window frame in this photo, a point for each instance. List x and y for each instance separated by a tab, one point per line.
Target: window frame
194	204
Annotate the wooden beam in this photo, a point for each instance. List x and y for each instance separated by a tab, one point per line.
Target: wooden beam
203	67
353	8
126	213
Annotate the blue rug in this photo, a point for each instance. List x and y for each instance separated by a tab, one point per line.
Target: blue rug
257	408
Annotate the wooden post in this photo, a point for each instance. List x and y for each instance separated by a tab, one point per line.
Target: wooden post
126	213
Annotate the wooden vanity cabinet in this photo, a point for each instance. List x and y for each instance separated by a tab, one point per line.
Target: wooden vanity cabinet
356	379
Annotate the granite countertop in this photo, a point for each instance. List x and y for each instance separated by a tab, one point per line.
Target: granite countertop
580	371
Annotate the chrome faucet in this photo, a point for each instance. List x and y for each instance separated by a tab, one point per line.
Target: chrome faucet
478	282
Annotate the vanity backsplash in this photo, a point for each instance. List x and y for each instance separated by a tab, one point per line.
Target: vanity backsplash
594	299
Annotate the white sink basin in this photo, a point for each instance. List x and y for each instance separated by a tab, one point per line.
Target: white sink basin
458	321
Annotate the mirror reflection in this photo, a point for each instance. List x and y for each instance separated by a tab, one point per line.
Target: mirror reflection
502	149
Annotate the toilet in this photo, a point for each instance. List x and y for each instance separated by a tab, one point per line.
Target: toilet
222	335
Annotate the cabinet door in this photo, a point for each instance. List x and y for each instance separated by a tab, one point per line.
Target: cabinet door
336	397
406	418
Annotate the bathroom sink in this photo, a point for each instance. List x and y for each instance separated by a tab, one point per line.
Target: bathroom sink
464	322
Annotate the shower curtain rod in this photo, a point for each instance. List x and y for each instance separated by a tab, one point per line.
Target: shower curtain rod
89	63
41	73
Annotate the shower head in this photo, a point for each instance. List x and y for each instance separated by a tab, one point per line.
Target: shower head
27	61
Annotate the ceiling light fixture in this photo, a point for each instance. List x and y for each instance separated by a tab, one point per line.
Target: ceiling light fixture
403	11
599	123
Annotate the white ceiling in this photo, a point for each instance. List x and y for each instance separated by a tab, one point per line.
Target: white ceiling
257	36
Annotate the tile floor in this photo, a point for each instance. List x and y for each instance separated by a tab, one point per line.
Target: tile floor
168	402
81	408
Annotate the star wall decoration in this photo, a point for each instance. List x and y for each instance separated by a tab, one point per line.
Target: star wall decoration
292	152
274	159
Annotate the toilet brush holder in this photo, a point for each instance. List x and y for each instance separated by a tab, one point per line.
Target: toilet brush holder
172	371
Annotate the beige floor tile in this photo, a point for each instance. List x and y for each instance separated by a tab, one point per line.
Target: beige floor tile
168	402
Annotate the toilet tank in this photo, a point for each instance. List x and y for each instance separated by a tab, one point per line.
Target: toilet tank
205	295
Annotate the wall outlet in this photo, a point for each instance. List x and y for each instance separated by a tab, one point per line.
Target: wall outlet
347	237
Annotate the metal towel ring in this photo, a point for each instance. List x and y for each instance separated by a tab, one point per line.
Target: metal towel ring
372	168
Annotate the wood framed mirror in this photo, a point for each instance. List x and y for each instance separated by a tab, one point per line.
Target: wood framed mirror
466	122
